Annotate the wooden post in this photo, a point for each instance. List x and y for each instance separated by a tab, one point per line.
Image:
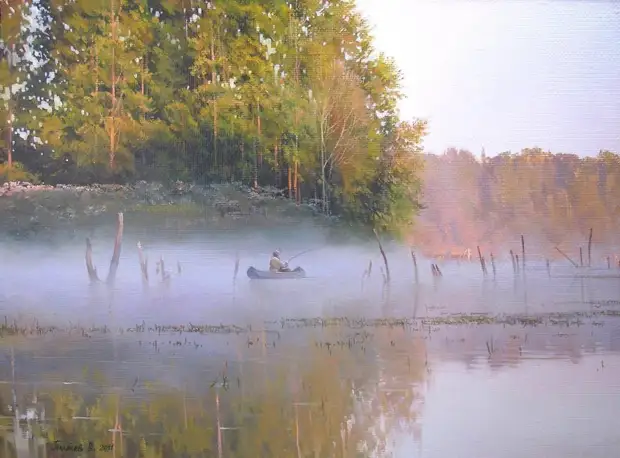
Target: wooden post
581	256
548	268
90	268
117	250
512	258
517	261
481	260
385	261
590	249
143	264
415	265
523	251
566	256
219	425
383	275
164	274
236	271
493	264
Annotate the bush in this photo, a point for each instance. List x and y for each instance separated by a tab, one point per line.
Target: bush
17	172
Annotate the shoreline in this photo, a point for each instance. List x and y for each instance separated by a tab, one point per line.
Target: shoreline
27	210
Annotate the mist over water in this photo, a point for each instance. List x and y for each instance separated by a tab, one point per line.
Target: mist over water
398	346
51	283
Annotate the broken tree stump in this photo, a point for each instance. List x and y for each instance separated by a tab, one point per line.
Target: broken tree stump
566	256
415	265
143	264
385	261
116	255
90	267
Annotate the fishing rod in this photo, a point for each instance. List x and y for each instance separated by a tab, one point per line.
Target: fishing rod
299	254
302	252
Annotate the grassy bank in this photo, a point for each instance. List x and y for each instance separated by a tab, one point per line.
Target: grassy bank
29	212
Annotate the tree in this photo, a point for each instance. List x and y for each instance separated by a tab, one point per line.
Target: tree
394	198
211	92
13	14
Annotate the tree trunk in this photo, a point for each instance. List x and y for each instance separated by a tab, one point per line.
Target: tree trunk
385	261
275	161
214	82
296	183
258	127
9	150
116	254
9	146
112	154
215	162
90	268
323	184
255	165
290	183
96	74
142	76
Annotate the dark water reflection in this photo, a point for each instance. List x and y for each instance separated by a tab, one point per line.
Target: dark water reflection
323	391
267	378
274	398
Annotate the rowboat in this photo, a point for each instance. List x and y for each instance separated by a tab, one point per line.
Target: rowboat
256	274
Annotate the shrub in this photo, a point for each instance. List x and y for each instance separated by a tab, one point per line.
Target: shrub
17	172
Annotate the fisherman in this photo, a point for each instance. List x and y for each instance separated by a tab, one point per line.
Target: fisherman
277	265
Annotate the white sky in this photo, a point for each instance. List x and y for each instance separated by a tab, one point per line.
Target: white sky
506	74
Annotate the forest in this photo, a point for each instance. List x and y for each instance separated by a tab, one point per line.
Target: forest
552	198
289	94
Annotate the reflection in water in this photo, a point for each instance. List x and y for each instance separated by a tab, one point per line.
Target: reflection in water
542	408
345	389
318	398
475	367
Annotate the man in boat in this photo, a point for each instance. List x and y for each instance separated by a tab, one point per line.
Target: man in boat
277	265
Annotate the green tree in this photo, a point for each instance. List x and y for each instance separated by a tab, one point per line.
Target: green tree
12	75
215	92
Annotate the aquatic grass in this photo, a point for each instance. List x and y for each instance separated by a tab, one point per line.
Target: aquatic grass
559	319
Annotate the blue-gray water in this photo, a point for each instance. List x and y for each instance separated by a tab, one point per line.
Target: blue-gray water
507	389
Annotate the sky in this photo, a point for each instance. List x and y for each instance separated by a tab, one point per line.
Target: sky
508	74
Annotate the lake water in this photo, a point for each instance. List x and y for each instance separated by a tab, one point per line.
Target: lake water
209	365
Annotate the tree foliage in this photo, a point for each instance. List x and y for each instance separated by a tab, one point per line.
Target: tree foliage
279	93
552	198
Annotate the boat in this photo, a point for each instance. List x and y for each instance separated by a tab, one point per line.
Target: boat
256	274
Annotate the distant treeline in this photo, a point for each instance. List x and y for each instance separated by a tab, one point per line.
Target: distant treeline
283	93
548	197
